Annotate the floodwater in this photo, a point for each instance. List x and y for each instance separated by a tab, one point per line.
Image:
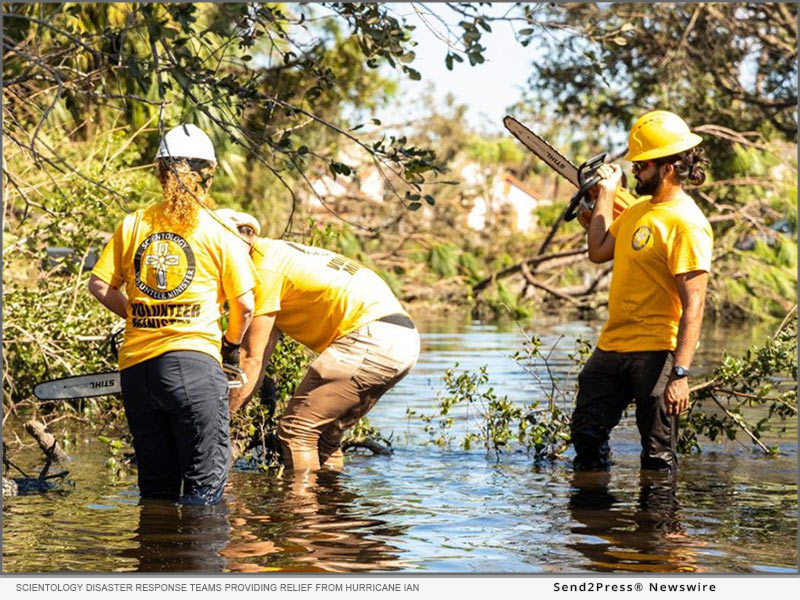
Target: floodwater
425	509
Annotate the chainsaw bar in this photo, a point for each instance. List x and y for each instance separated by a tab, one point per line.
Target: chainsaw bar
541	148
79	386
106	384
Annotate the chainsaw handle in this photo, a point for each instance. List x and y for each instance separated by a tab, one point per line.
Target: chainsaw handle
114	342
236	376
571	211
588	179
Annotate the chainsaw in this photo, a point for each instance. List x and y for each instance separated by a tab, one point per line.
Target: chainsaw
583	177
107	383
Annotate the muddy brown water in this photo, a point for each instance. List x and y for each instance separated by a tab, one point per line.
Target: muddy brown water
425	509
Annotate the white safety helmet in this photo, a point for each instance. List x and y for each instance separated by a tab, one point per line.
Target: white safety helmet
186	141
238	219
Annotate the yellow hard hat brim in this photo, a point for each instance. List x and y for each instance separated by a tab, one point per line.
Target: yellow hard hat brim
689	141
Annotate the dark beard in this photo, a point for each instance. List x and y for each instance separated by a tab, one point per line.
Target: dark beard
649	187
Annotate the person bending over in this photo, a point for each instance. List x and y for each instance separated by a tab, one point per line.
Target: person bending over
339	309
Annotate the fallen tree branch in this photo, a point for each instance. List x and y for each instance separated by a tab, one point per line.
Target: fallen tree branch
369	443
530	262
48	444
738	422
526	273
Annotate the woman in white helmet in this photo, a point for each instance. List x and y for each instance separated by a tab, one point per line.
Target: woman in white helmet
178	266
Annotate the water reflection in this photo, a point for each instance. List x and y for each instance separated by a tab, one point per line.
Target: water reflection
646	536
314	522
173	538
424	509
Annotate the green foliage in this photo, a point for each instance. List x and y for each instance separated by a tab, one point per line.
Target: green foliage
695	59
548	215
443	259
276	120
541	427
734	400
493	152
52	325
495	415
470	266
502	303
759	284
256	425
117	462
751	395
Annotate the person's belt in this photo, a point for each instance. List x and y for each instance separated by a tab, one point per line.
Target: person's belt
398	319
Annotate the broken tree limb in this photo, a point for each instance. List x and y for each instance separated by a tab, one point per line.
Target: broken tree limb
530	262
737	419
526	273
592	287
369	443
46	441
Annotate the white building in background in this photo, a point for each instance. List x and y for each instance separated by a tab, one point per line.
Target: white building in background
485	199
506	194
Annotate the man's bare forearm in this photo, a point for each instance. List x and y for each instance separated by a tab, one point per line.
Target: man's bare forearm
241	313
689	333
257	347
599	240
693	298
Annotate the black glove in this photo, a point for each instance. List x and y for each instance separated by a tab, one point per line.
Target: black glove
230	352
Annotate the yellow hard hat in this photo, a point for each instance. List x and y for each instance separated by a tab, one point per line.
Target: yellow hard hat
657	134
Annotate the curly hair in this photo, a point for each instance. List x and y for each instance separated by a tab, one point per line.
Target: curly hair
185	185
690	165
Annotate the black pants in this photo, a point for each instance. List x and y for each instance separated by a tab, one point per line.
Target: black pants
177	410
607	384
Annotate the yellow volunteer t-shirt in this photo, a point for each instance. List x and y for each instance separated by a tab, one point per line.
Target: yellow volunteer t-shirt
653	244
176	283
317	295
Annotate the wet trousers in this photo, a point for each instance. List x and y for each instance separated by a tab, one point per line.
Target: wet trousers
177	410
606	385
341	386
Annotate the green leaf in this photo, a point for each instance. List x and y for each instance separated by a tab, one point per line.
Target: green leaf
414	206
407	57
430	199
412	73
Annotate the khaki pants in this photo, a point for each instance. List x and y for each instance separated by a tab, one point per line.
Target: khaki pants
341	386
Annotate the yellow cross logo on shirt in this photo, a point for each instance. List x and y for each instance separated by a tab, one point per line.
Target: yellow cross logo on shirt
161	260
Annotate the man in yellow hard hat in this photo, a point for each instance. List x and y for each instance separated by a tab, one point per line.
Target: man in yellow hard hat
661	248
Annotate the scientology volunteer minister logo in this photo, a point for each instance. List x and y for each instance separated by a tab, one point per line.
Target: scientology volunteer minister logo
640	237
164	266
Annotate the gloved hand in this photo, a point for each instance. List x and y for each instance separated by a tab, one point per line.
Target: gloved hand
230	353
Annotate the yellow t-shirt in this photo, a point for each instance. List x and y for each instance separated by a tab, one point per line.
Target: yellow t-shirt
176	284
653	244
318	296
